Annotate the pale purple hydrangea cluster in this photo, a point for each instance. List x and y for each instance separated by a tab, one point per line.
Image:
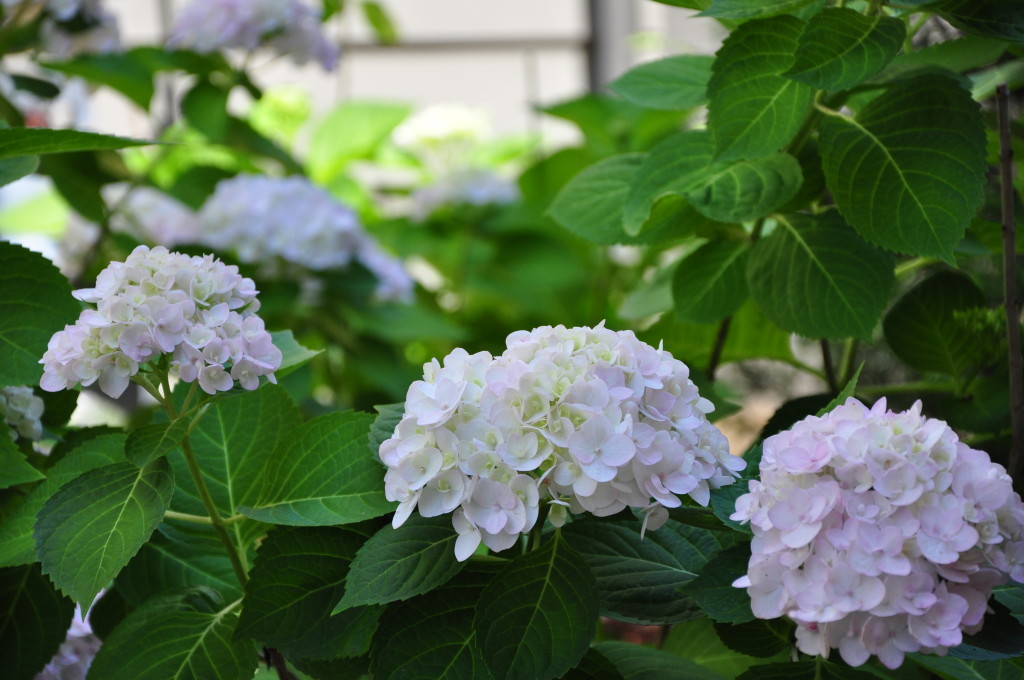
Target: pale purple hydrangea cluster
879	533
21	409
290	27
582	419
263	218
72	660
198	310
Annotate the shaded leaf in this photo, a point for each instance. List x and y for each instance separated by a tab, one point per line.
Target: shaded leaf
205	107
299	573
753	110
14	469
711	283
326	476
293	355
713	591
1002	19
536	618
636	662
672	83
388	417
396	564
89	530
952	668
34	620
907	174
121	71
848	391
146	444
746	9
747	190
35	303
723	499
698	641
805	670
814	276
593	666
842	48
638	580
759	637
922	328
17	167
26	141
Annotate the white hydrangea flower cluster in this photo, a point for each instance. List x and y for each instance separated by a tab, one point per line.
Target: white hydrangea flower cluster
21	409
289	27
263	218
584	419
469	187
197	309
72	660
878	533
151	216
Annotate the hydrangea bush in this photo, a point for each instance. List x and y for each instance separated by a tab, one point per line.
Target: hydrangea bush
522	504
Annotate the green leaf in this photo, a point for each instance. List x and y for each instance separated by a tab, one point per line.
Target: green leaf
960	669
44	89
146	444
636	662
842	48
205	107
123	72
185	636
711	283
432	636
848	391
747	9
593	666
243	137
814	276
388	417
16	543
14	469
326	476
805	670
908	172
396	564
293	355
17	167
959	55
237	442
1003	19
747	190
380	21
922	328
173	561
352	130
713	590
25	141
79	177
753	110
674	83
638	580
89	530
536	618
299	573
34	620
698	641
35	303
723	499
1002	637
760	638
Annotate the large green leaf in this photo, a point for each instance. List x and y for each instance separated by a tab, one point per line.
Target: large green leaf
34	620
236	442
636	662
352	130
432	636
26	141
148	443
1003	19
746	9
814	276
17	167
536	618
299	573
842	48
35	303
908	172
293	355
638	580
711	282
753	110
16	543
326	476
713	590
923	330
89	530
818	669
121	71
760	638
396	564
14	469
679	82
952	668
698	641
747	190
184	636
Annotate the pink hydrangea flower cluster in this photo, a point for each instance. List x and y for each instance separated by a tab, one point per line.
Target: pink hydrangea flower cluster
583	419
21	409
196	309
289	27
263	218
878	533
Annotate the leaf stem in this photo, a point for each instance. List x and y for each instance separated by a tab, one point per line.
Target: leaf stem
904	268
846	363
537	532
201	519
1010	294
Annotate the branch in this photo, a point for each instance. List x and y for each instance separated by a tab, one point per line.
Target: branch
716	351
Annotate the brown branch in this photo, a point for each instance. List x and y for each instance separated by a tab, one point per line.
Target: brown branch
1010	292
716	351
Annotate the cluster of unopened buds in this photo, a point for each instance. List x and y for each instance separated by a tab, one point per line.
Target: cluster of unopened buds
21	409
579	419
198	310
879	533
263	218
290	27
